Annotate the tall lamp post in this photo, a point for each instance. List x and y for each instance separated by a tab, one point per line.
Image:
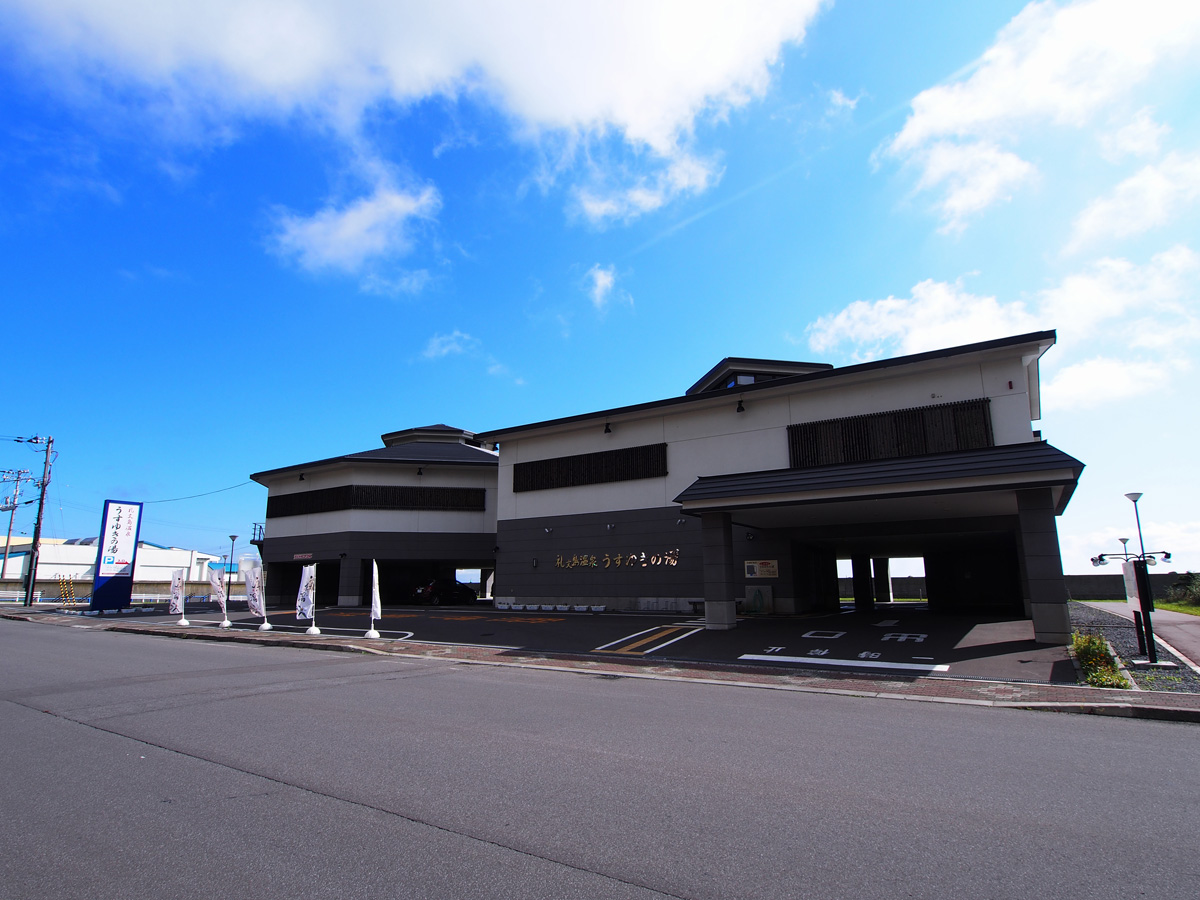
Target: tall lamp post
229	569
1138	563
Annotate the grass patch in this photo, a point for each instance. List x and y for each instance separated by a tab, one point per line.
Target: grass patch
1098	664
1184	595
1190	608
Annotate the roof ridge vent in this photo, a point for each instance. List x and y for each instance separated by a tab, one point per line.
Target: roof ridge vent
430	434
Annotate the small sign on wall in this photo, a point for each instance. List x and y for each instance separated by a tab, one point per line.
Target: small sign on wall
762	568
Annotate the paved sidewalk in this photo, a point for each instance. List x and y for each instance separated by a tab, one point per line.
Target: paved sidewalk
1179	707
1180	631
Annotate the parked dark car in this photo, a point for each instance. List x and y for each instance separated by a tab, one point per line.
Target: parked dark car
443	590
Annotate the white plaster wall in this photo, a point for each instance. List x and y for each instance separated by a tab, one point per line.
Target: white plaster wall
864	395
701	441
316	479
1010	419
711	438
338	475
386	520
431	521
586	438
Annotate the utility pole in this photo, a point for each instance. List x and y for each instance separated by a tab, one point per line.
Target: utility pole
16	476
31	575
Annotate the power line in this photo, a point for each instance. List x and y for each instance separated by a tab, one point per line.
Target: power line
194	496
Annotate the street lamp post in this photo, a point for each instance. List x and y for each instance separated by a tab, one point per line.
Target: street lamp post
1138	562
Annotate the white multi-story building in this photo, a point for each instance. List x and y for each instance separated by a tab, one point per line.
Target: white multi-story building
753	483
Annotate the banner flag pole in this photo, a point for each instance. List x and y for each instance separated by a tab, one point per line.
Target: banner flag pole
177	599
306	597
376	612
256	597
216	581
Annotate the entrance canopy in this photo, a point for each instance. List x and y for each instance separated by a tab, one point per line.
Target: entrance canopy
982	519
963	484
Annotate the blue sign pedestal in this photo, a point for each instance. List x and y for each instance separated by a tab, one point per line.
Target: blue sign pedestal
116	556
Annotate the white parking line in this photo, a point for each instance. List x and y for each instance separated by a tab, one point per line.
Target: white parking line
628	637
672	640
847	663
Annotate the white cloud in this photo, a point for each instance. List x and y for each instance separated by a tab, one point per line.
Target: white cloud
1146	200
1181	538
459	343
1153	305
348	236
937	315
1102	380
1131	328
1141	136
839	102
601	284
1059	65
642	70
396	285
974	177
685	174
456	343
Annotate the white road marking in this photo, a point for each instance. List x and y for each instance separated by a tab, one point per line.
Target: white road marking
848	663
672	640
628	637
454	643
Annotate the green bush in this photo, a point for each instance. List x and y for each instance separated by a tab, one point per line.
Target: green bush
1185	590
1099	666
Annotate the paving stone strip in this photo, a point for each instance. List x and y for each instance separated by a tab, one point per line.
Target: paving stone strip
1145	704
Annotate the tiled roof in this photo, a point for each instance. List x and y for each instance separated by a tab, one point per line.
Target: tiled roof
1041	337
430	453
1018	461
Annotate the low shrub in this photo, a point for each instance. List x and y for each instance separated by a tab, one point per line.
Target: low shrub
1186	590
1099	666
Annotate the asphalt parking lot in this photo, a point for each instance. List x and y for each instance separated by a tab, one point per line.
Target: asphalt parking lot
895	638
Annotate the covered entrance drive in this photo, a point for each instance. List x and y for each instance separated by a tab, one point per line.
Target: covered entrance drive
406	562
983	520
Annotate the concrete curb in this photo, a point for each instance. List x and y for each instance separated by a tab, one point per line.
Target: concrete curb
684	671
1120	710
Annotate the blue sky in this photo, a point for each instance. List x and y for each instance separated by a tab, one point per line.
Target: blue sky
241	235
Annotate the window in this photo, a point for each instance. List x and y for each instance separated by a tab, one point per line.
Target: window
903	432
376	496
628	464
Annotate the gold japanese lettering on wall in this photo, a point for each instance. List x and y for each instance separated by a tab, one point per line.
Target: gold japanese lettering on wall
633	559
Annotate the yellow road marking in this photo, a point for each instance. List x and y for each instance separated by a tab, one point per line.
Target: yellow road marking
632	648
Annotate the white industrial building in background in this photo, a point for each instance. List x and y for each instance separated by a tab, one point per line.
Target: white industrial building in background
75	558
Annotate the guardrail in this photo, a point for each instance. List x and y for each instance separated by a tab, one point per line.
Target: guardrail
19	595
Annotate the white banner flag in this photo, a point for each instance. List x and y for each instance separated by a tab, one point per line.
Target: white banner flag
306	598
376	612
254	592
216	580
177	592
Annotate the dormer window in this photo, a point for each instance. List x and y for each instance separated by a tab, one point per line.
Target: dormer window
734	372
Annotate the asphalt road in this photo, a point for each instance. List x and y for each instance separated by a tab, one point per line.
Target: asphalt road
143	767
900	638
